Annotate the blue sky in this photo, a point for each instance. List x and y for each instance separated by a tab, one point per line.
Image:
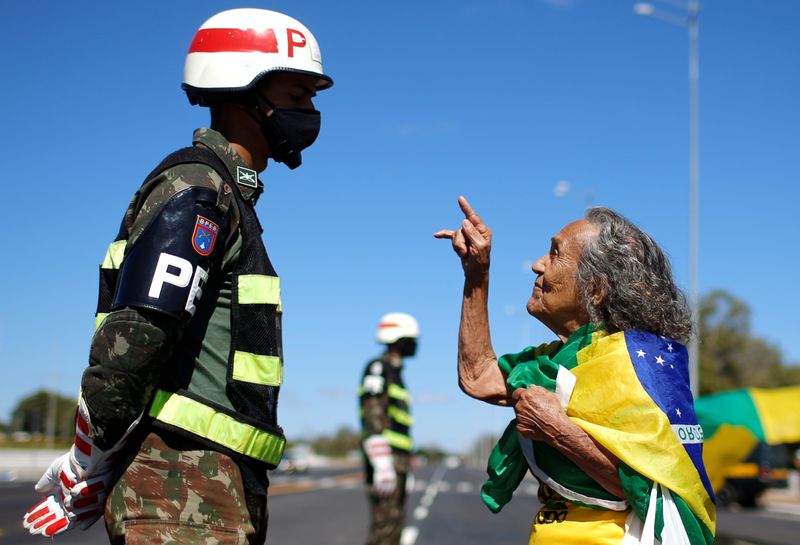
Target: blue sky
498	101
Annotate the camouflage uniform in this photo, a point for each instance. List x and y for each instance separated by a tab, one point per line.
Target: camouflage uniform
171	489
387	512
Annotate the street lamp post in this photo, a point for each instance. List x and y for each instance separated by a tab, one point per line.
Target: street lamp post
690	22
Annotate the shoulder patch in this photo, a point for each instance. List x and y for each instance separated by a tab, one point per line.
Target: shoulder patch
373	384
246	177
376	368
204	236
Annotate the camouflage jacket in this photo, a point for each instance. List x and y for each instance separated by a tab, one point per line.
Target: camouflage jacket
380	407
131	346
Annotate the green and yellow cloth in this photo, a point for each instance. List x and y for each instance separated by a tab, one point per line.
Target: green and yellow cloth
630	392
736	421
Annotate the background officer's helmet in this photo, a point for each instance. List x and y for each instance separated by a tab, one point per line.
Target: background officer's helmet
396	325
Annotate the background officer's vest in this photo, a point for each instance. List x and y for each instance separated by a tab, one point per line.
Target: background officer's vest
397	409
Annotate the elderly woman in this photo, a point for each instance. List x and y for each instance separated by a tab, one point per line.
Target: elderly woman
604	415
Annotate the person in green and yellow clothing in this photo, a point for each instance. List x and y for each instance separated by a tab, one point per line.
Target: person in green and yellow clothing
604	415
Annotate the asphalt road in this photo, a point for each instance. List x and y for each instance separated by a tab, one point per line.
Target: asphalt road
330	507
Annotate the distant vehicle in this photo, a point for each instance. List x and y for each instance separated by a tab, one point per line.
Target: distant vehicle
294	461
766	467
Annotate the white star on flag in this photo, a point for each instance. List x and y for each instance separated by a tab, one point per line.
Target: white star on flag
640	353
678	412
660	361
669	347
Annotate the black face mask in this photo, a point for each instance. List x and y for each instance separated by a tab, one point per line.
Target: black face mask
406	346
288	131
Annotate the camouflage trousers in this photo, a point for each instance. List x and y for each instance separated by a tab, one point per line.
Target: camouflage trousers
388	514
167	496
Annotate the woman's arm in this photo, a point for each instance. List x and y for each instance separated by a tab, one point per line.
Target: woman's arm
478	373
541	417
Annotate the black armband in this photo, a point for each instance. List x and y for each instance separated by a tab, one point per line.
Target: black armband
167	266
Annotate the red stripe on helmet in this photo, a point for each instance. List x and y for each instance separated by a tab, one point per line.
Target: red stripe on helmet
388	324
235	40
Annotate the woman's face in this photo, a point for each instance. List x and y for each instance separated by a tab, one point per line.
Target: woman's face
555	300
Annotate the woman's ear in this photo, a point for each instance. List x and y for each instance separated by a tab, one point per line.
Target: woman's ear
601	288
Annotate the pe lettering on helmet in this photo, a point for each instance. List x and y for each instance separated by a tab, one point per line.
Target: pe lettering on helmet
246	177
204	236
294	38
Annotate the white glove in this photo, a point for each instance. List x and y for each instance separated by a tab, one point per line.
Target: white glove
73	501
384	477
76	483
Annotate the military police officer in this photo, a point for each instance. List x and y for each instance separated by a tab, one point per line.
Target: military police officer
177	421
386	422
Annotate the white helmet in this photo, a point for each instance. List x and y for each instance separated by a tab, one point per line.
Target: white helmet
395	326
235	48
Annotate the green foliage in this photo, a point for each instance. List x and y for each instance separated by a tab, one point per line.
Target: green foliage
44	413
731	357
344	441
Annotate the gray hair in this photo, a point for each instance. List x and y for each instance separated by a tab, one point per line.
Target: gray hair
631	268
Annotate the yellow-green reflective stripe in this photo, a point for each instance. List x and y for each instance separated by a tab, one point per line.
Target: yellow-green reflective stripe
257	369
400	416
360	391
397	440
114	255
190	415
259	289
98	319
400	393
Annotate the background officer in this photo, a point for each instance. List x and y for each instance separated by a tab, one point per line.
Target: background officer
386	422
177	420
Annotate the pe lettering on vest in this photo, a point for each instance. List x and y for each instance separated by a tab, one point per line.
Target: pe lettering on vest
177	271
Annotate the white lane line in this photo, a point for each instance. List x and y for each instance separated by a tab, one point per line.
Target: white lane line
409	535
464	487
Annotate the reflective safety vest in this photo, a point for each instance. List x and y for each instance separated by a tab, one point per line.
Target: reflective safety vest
397	402
255	361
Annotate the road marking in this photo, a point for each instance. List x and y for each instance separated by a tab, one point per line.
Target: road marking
409	535
348	480
465	487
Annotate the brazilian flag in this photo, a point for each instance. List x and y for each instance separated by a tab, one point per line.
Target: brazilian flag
735	422
630	392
